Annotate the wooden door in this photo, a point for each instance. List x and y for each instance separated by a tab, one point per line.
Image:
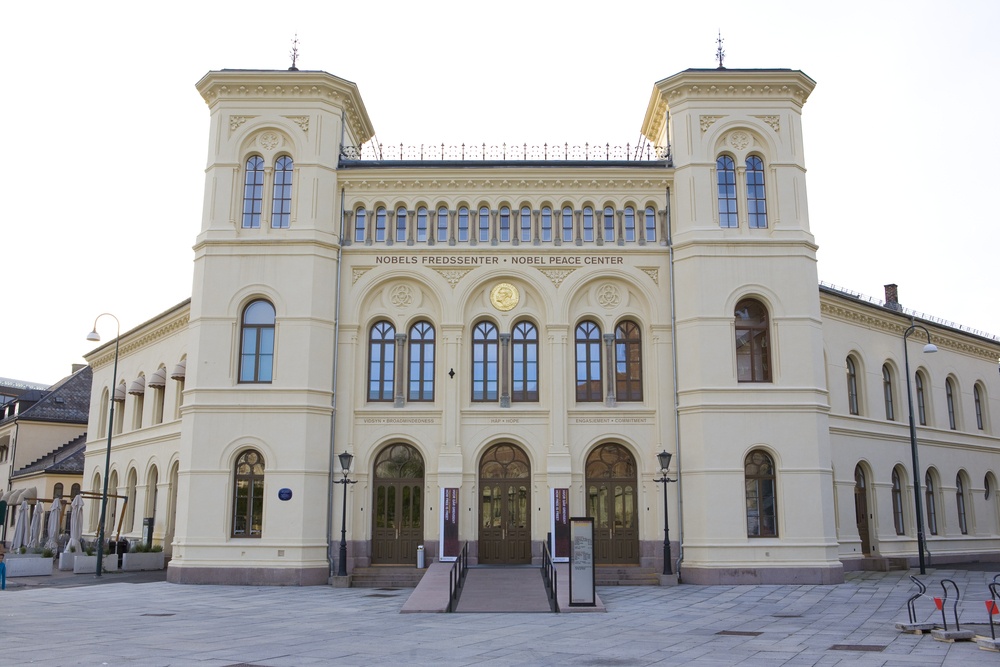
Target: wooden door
612	503
861	510
397	506
504	507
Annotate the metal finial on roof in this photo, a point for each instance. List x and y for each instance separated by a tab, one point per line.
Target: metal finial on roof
294	53
719	53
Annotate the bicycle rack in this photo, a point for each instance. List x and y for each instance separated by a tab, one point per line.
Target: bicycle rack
991	605
911	608
954	607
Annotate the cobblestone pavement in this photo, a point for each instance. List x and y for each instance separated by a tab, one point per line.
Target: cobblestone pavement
67	621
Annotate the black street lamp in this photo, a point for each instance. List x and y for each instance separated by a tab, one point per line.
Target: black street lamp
93	336
930	347
664	458
345	466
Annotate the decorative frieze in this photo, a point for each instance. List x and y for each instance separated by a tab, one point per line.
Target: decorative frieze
557	276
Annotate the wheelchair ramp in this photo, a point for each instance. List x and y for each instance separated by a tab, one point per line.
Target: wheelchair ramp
503	589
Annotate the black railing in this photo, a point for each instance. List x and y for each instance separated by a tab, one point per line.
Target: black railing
507	152
550	577
456	578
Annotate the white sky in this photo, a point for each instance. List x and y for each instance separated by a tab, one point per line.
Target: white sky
105	134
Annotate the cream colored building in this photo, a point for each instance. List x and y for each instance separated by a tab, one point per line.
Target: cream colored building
515	324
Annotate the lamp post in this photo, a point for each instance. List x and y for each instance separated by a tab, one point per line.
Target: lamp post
928	348
93	336
345	467
664	458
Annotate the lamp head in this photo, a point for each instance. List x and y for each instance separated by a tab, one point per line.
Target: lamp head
664	458
345	461
94	336
930	347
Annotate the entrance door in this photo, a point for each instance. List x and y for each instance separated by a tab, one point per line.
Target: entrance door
861	510
504	506
398	506
612	502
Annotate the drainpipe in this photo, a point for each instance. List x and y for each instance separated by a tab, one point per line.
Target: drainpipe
677	403
333	398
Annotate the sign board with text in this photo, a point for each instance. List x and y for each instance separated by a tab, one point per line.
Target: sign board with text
582	576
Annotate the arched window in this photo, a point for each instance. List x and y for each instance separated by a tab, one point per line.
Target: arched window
102	427
422	224
421	376
485	367
609	224
381	361
546	224
400	225
628	222
628	362
504	224
650	225
589	382
484	224
977	398
257	342
360	224
963	524
756	202
253	192
281	206
526	224
463	224
921	404
949	393
897	503
890	412
248	495
929	502
762	512
57	490
524	358
726	171
753	363
567	224
852	387
130	495
380	222
588	224
442	224
74	491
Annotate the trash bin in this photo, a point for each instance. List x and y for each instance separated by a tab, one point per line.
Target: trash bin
147	531
420	557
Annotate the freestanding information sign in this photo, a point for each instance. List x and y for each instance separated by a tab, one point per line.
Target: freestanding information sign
449	525
582	577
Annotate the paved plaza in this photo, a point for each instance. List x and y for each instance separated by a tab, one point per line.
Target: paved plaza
133	620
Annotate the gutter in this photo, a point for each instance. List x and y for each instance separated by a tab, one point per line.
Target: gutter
333	398
677	404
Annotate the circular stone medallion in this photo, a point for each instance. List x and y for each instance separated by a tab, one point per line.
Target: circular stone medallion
504	297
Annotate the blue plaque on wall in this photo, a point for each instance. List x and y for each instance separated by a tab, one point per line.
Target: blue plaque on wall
284	494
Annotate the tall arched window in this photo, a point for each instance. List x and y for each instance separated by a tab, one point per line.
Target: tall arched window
628	222
525	224
650	225
485	365
130	485
753	363
381	361
546	224
484	224
628	362
281	206
588	224
726	171
963	524
761	493
442	224
257	342
756	201
421	376
381	216
852	387
897	503
504	224
921	403
949	393
248	495
609	224
930	503
463	224
567	224
400	225
422	224
360	224
589	382
977	398
890	412
524	358
253	192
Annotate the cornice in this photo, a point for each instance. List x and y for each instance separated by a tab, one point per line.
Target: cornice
134	344
382	183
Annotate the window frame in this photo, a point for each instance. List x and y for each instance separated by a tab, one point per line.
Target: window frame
589	364
930	503
756	193
728	211
254	507
853	401
253	192
887	391
281	192
628	362
381	362
524	362
761	490
420	362
977	398
960	504
949	396
261	342
921	398
898	516
757	343
485	362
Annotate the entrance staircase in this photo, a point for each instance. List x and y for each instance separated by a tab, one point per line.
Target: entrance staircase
405	576
619	575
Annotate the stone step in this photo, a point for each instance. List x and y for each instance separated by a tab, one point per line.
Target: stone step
386	577
606	575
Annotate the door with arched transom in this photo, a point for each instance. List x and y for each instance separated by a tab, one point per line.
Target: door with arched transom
397	506
504	506
612	502
861	509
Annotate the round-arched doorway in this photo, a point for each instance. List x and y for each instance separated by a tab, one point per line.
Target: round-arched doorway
612	502
397	505
504	506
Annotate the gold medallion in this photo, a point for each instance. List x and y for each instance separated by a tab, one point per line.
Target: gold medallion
504	297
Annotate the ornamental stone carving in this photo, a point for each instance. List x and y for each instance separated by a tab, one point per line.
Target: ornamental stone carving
268	141
707	122
401	296
557	276
358	272
773	121
453	276
301	121
609	296
739	140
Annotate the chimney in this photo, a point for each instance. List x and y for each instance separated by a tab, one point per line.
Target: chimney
77	368
892	297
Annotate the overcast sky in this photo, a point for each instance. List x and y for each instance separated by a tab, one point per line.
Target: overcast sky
105	135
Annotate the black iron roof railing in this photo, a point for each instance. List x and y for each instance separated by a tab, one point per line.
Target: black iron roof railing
565	152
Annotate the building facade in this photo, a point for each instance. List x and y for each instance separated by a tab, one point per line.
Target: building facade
500	338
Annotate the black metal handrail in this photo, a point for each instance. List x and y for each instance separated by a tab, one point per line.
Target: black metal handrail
550	576
456	577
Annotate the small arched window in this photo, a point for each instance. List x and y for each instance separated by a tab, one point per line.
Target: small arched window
257	343
897	503
57	490
628	222
360	225
524	359
400	225
753	362
949	393
756	201
281	207
567	224
422	219
930	503
442	224
963	524
421	376
890	412
253	192
546	224
463	224
921	399
484	224
485	364
977	397
609	224
726	172
628	362
504	224
761	494
650	224
525	224
589	381
248	495
381	361
852	387
588	224
381	217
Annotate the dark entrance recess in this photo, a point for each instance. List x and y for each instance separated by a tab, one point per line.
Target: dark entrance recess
398	503
505	506
612	503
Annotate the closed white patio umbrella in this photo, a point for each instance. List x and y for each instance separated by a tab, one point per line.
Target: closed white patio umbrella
37	519
53	526
75	525
20	527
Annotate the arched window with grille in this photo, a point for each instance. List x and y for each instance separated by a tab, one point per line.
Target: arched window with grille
726	172
609	224
381	361
401	225
248	495
588	224
756	200
484	224
381	217
977	398
546	224
504	224
761	494
525	225
421	376
589	381
281	204
524	359
949	394
442	225
253	192
257	342
853	405
567	224
650	225
422	219
360	224
930	503
463	224
753	361
628	224
898	520
485	363
628	362
890	412
960	485
921	399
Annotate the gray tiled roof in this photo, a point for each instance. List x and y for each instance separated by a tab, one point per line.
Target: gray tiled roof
67	460
67	401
